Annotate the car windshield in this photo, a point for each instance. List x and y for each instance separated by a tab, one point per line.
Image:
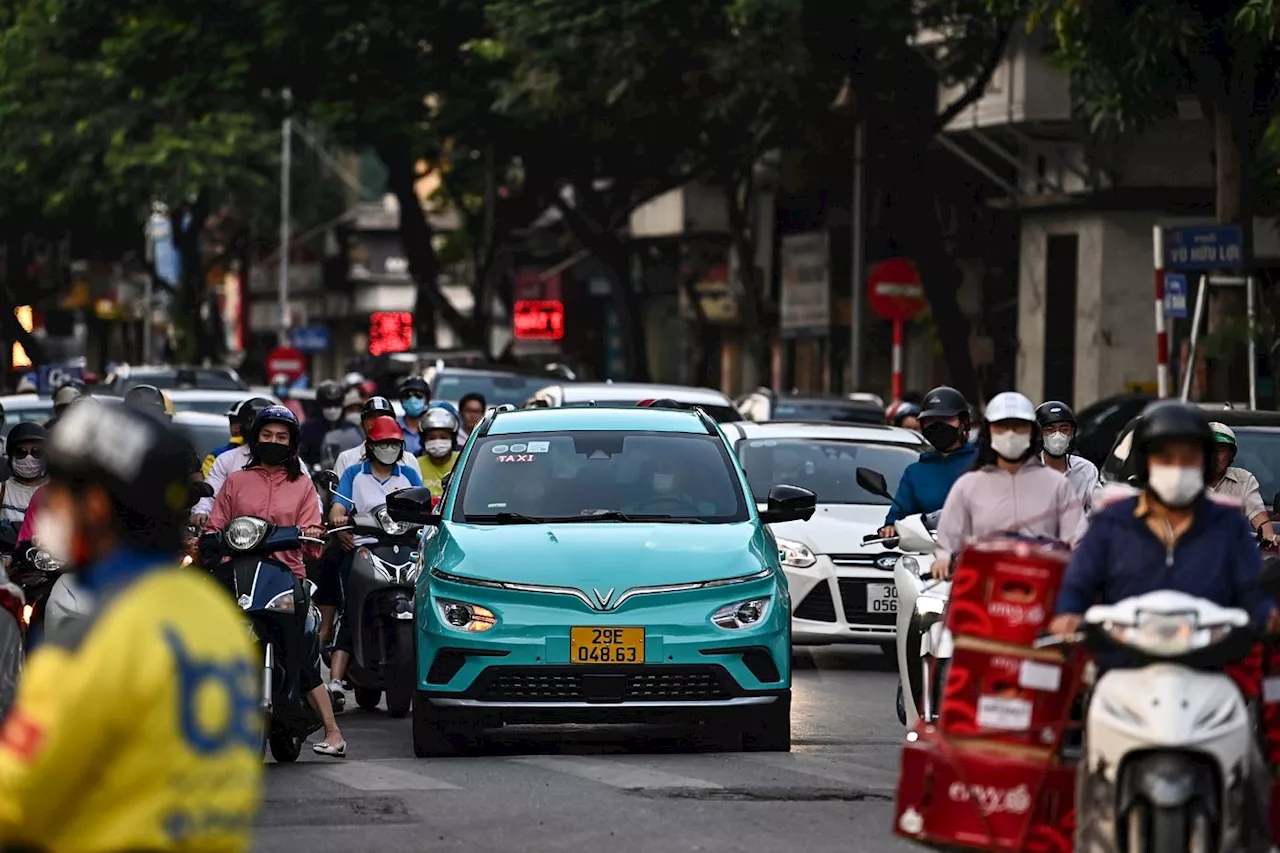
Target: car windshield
1260	455
499	389
208	407
587	476
824	410
719	414
208	380
205	438
826	467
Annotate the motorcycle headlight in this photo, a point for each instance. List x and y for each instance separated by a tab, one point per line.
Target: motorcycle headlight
44	562
282	603
246	533
390	525
795	555
1167	634
912	565
471	618
743	614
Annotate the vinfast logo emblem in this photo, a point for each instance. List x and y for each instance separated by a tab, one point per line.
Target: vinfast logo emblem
603	598
1017	614
992	800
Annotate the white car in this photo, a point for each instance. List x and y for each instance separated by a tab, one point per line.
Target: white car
719	407
211	402
841	590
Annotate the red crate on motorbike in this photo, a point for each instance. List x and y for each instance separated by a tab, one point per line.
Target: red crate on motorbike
983	796
1005	589
1007	693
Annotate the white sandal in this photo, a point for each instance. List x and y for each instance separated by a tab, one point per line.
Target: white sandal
330	751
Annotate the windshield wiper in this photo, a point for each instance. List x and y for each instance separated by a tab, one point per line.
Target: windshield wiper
504	518
668	519
597	515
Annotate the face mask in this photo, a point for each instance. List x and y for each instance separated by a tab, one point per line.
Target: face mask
387	452
354	419
274	454
438	447
664	482
1175	486
941	435
1057	444
1011	445
55	533
332	414
414	406
29	468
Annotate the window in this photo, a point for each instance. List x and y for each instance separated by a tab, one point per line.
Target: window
821	410
828	468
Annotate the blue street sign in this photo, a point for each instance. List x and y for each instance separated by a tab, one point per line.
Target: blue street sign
310	338
51	376
1175	294
1208	247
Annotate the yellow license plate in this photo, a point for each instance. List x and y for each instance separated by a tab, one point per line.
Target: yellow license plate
606	645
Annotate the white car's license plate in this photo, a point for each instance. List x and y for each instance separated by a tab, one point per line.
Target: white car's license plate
882	598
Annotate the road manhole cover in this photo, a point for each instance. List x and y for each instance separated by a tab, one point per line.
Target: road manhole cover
351	811
766	795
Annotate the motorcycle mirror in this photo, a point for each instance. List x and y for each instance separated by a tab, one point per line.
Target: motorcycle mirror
873	482
1269	579
412	506
328	479
201	490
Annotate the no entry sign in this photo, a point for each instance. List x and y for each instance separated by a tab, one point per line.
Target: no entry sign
287	360
894	290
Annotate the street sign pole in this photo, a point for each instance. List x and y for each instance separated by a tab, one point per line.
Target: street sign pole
1162	334
286	170
857	274
897	359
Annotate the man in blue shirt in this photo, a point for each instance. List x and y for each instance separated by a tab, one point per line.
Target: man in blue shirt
944	422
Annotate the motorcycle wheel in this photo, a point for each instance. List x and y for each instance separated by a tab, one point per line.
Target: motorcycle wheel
368	698
10	660
902	705
399	700
285	745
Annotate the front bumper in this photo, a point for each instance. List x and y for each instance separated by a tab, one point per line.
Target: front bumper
830	602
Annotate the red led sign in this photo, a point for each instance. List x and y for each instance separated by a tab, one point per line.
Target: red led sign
390	331
539	320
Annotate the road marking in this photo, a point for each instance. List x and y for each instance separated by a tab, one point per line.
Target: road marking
862	776
617	774
382	775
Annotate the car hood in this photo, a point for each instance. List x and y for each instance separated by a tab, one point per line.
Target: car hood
835	528
611	554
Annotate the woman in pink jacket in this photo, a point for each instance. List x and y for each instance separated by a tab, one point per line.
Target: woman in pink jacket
273	487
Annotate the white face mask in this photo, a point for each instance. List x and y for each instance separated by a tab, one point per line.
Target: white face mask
1057	444
664	482
29	468
332	414
1175	486
387	453
53	533
438	447
1011	445
355	419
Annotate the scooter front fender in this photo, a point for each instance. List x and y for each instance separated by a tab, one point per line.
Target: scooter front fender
910	633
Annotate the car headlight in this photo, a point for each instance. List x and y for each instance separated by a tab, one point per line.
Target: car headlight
744	614
246	533
1167	634
795	555
390	525
471	618
282	603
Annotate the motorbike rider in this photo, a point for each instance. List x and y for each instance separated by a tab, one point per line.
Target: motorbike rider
25	451
281	386
1239	483
236	439
364	488
273	487
471	409
906	415
438	454
79	771
374	408
1058	431
329	396
1009	488
68	392
414	394
944	422
152	399
231	460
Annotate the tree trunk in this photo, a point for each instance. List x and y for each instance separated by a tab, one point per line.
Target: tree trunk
186	222
1233	205
750	276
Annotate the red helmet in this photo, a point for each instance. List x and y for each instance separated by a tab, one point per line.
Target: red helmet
644	404
384	429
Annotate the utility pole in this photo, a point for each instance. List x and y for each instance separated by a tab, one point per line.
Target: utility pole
286	170
859	260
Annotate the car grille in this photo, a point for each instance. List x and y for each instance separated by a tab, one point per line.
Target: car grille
853	597
817	605
603	684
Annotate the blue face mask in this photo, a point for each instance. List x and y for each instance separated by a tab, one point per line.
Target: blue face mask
414	406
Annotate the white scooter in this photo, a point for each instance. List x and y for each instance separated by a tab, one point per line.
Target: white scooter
1172	763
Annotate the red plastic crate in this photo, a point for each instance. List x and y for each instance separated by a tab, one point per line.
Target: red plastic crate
988	797
1005	590
1008	694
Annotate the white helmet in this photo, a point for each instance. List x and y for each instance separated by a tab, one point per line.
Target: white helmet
352	398
438	417
1010	406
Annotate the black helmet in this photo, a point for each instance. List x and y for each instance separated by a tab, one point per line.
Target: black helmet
273	414
413	384
248	412
145	397
1168	422
24	433
329	394
944	402
377	406
137	457
1054	412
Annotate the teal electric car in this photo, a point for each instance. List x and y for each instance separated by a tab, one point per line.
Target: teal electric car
601	565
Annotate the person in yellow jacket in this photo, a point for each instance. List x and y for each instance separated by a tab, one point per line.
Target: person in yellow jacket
138	726
439	434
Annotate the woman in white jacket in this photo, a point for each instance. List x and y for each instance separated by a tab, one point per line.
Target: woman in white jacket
1009	490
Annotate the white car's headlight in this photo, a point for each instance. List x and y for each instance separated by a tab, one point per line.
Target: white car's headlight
795	555
466	617
743	614
1167	634
390	525
246	532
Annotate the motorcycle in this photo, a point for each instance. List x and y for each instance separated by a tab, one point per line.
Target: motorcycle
923	643
241	558
12	641
379	598
36	572
1172	761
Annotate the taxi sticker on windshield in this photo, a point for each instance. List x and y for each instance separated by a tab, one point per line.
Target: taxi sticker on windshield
500	448
538	446
516	457
519	448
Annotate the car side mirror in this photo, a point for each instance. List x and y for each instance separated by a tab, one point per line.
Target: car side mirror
873	482
789	503
1269	580
328	479
412	506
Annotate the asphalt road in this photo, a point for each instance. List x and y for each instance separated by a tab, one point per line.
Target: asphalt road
614	789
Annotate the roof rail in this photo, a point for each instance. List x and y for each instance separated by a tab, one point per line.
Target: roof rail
505	407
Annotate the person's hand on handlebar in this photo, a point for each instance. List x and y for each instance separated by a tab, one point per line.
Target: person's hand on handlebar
941	569
887	531
1064	624
314	532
